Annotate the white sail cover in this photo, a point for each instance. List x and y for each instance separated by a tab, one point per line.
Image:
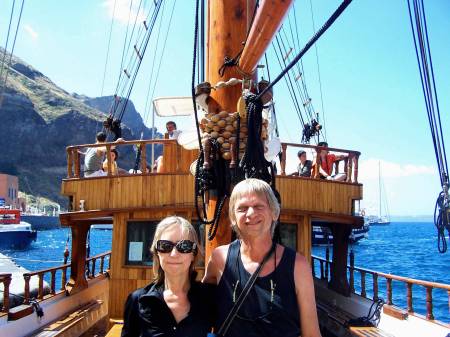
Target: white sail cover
173	106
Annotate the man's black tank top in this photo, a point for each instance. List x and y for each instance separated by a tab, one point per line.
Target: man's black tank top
271	308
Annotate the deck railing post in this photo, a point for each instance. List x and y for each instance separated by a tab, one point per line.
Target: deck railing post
69	163
321	270
356	159
93	268
102	263
52	282
143	158
363	284
349	168
77	163
27	278
41	286
64	278
409	297
327	262
352	271
108	158
389	290
6	282
283	159
430	303
375	286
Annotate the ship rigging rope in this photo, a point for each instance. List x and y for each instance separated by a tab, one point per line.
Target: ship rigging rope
125	86
162	52
324	132
6	44
303	93
308	45
107	49
425	64
13	45
289	83
142	50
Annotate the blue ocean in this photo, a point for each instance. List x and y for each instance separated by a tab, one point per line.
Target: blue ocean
401	248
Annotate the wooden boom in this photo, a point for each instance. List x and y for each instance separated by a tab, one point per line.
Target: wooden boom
267	21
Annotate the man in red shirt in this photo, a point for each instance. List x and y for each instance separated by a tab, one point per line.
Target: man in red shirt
326	164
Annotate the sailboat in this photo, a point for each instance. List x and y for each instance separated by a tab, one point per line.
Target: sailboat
381	219
93	290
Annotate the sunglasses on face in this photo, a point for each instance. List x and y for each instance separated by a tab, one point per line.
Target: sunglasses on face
182	246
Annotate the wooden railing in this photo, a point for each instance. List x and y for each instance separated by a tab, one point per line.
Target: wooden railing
74	154
91	264
90	270
5	279
350	160
325	265
40	274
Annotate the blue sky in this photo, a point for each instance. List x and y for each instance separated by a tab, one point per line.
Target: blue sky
370	82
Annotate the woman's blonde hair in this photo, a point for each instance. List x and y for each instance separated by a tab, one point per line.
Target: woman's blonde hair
261	189
186	228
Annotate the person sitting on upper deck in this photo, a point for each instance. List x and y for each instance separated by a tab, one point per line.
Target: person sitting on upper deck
327	161
114	168
94	157
281	301
174	304
172	131
304	166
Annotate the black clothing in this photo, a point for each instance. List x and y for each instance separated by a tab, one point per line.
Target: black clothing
147	314
265	312
305	170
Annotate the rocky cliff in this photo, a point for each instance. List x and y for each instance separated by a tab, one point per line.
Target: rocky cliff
39	119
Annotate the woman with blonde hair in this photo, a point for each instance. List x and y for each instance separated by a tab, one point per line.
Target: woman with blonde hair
174	304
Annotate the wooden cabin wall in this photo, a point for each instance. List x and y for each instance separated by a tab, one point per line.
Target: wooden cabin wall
143	191
318	195
176	158
133	191
125	279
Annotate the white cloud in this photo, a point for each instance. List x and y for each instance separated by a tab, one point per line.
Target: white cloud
31	32
368	169
122	11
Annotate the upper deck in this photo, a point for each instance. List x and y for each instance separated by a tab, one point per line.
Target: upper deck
173	185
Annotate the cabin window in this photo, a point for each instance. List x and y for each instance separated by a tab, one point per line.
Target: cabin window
288	235
139	239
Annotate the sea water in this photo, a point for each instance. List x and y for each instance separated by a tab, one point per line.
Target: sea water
401	248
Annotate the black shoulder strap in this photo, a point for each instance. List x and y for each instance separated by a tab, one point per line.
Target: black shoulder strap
248	286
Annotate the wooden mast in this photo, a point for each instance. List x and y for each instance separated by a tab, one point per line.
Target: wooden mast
228	23
227	28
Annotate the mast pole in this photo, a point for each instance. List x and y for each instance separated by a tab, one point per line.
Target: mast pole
228	22
227	29
379	189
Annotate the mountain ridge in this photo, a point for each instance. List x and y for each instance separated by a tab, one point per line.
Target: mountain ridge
40	119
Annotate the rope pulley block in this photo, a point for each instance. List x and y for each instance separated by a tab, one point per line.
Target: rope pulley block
202	92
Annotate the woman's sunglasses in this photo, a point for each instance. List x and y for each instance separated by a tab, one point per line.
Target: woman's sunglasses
183	246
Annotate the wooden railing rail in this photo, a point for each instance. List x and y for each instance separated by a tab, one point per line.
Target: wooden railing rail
91	264
5	279
63	268
350	161
74	154
40	274
409	283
